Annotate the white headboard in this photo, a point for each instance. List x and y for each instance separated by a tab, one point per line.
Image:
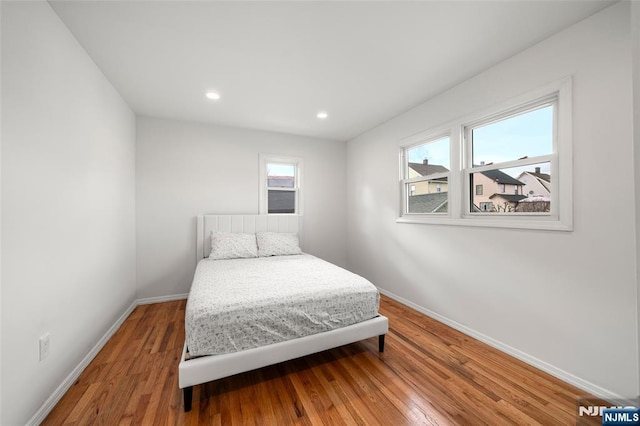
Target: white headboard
248	224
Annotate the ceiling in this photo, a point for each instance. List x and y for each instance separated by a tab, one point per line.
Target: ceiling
277	64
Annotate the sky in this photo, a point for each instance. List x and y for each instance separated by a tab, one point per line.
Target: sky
278	169
529	134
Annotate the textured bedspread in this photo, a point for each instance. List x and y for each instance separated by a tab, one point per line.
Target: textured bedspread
239	304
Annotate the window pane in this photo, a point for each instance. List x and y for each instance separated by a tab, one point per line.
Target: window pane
523	189
281	175
525	135
428	197
281	201
429	158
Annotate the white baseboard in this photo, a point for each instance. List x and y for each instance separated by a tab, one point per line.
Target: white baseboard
51	402
565	376
160	299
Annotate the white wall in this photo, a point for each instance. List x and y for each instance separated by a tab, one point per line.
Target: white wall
0	220
564	301
68	205
186	169
635	56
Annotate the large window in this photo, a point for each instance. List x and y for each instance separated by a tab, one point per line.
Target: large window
507	150
508	167
280	184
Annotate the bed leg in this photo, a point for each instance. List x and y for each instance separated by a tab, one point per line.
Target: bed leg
188	397
381	343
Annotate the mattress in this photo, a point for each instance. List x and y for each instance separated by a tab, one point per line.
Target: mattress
238	304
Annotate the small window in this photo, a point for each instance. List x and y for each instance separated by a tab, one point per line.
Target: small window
426	176
478	189
280	185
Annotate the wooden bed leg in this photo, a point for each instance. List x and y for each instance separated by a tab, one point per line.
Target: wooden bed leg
381	343
188	397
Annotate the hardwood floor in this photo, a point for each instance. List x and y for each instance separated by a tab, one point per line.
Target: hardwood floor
428	374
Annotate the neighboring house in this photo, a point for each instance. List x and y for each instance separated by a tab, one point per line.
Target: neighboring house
427	187
537	188
534	204
496	191
506	202
536	183
280	181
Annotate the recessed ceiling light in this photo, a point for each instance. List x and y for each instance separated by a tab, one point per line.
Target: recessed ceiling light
322	115
213	95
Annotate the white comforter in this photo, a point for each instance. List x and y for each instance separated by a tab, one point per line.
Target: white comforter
239	304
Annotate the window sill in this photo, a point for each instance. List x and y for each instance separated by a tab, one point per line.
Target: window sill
545	224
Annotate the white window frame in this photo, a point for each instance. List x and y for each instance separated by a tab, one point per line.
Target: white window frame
264	188
561	159
408	144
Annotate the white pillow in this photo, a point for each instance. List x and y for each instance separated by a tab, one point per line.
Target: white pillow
230	245
277	244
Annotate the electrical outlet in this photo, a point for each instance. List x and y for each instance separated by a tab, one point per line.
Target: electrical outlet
45	345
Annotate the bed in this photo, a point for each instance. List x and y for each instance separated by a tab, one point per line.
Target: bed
232	327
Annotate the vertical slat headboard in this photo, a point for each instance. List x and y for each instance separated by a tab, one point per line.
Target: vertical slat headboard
248	224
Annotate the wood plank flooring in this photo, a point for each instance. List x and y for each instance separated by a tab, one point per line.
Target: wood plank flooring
428	374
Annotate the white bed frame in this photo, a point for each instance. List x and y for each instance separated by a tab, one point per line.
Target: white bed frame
195	371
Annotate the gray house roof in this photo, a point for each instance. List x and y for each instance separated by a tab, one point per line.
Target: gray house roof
513	198
436	202
501	177
425	169
543	176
